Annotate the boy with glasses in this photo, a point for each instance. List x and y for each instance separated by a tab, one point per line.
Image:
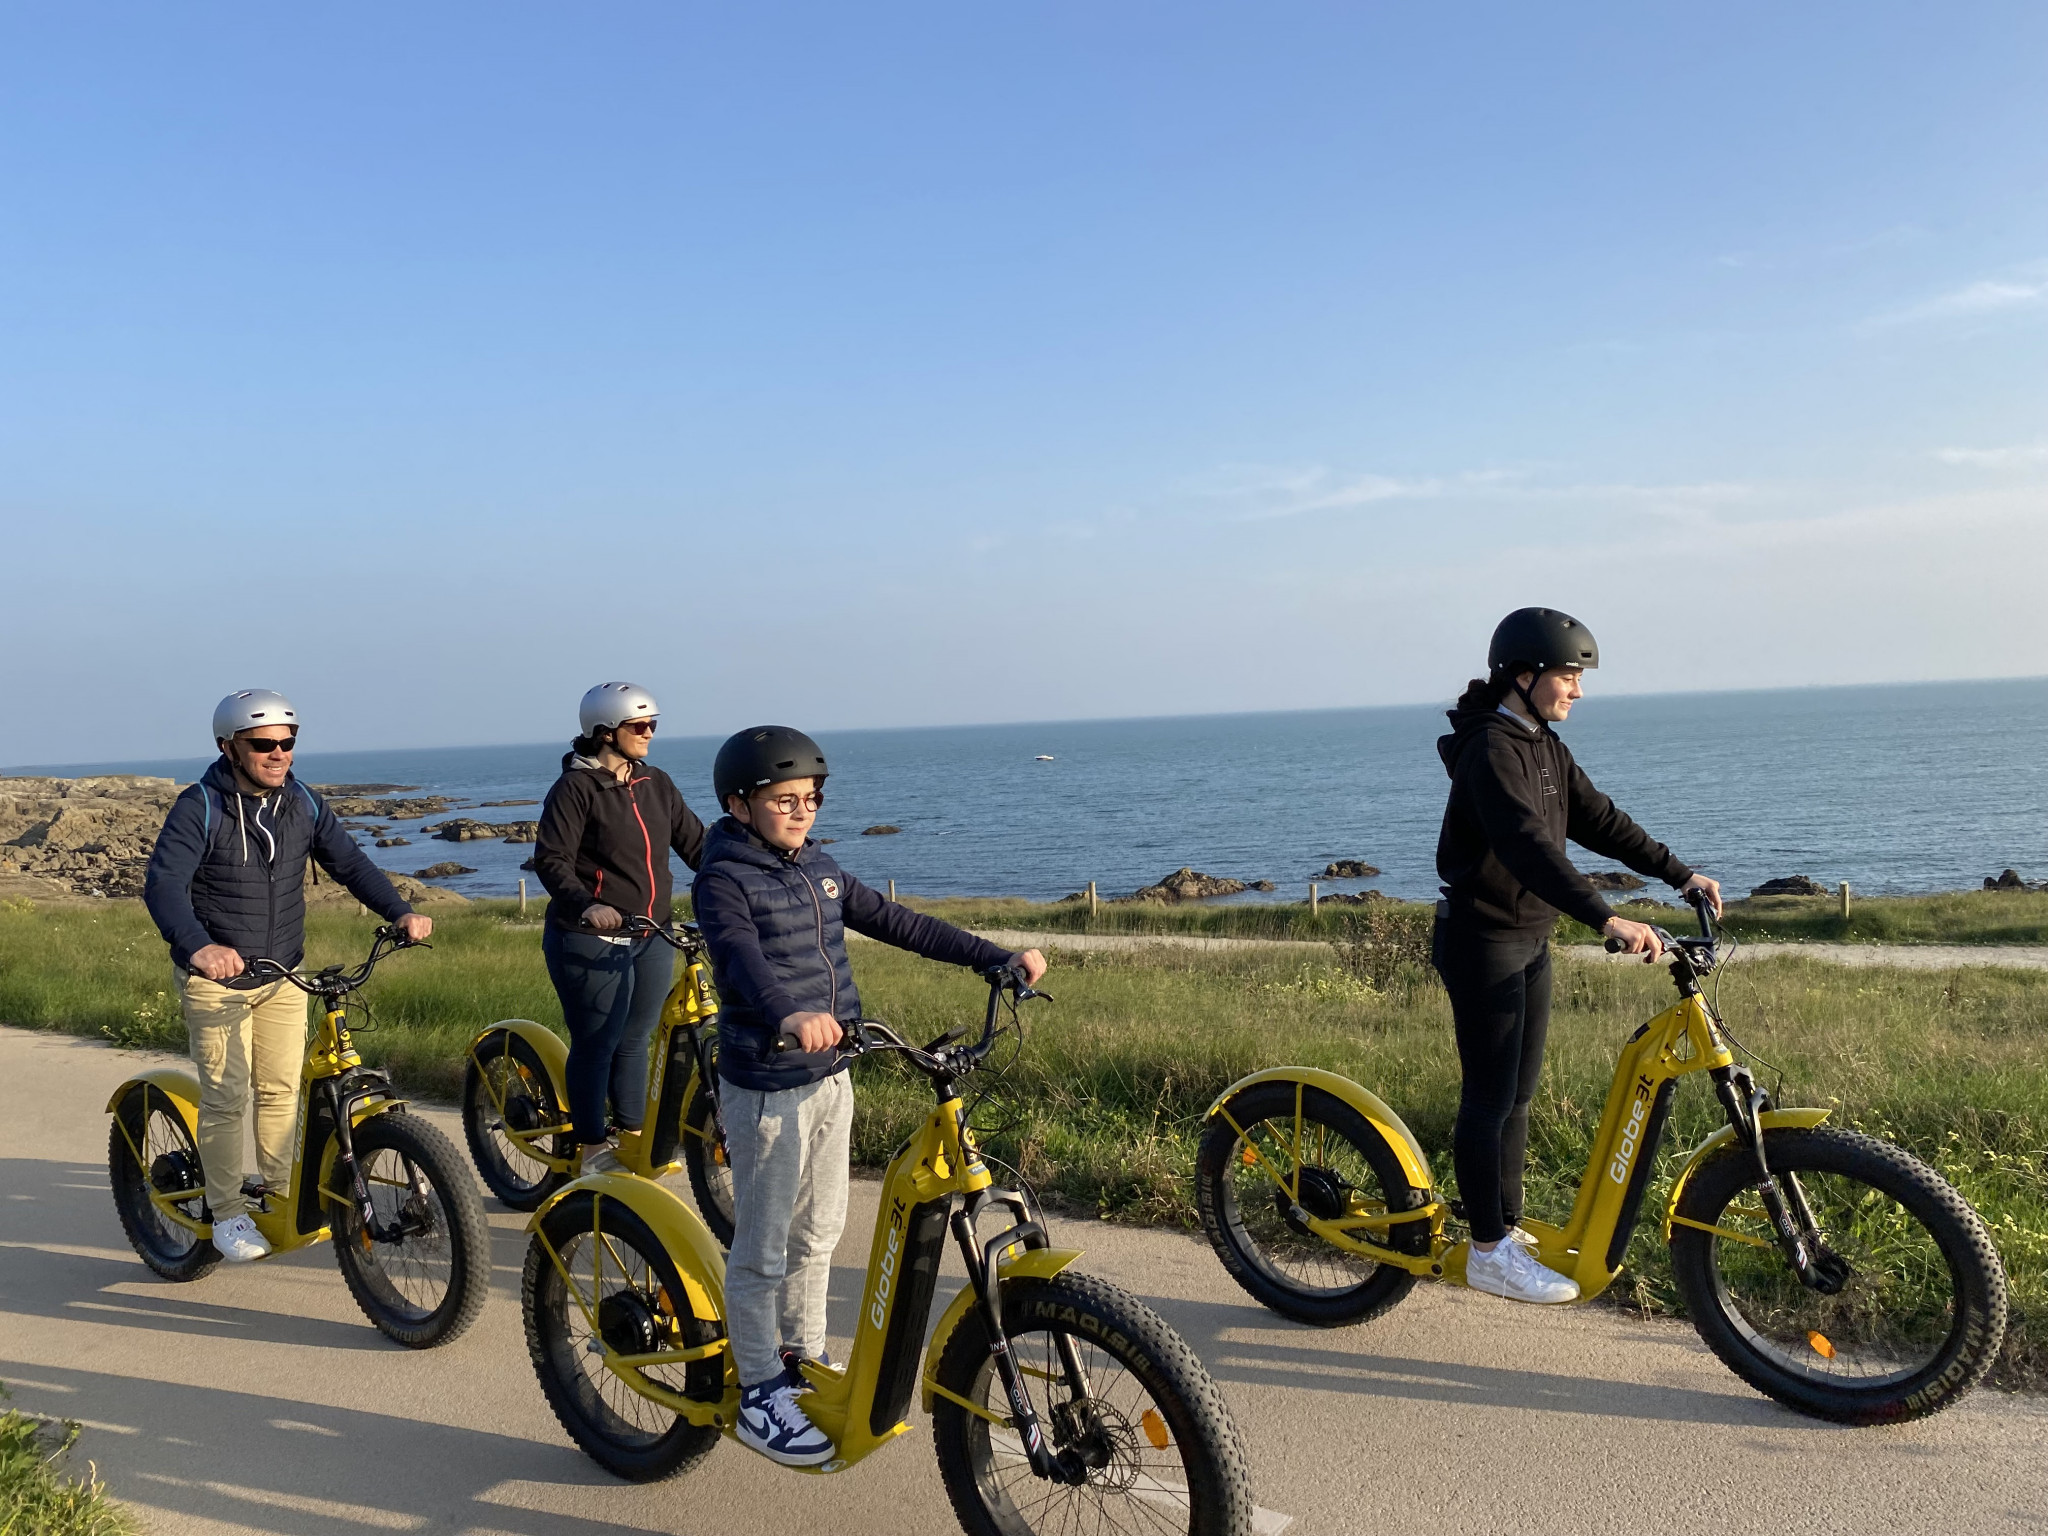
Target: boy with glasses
226	885
774	907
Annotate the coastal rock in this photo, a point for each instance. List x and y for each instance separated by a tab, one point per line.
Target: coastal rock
328	894
1186	884
329	791
1348	899
388	810
1614	880
884	830
484	805
1348	869
87	837
443	870
394	842
526	863
464	830
1790	885
1260	885
2006	880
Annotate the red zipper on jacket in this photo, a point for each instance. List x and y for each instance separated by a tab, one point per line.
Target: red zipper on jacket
646	837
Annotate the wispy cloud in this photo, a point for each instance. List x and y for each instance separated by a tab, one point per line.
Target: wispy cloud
1982	299
1255	496
2017	456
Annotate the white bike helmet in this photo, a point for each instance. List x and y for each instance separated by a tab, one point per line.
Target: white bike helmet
249	708
608	705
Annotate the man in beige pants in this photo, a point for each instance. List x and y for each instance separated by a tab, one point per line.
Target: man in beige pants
226	886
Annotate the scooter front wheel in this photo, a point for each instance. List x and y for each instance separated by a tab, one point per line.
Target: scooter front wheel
637	1305
422	1271
1140	1423
1910	1304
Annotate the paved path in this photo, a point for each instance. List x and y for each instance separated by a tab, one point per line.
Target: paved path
1914	957
258	1400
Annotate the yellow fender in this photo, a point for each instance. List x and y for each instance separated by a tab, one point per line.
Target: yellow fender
699	1259
1032	1264
175	1084
1770	1119
547	1045
1375	1109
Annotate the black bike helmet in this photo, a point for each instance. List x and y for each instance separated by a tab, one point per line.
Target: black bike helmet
764	754
1537	639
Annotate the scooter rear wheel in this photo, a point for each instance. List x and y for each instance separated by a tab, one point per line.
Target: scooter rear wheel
1343	1164
641	1306
504	1069
170	1162
710	1169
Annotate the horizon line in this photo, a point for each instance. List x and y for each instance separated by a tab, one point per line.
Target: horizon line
49	770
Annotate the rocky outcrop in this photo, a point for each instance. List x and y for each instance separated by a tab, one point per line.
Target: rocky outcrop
1791	885
1186	884
1260	885
394	842
1348	869
414	890
2009	880
464	830
329	791
82	837
486	805
387	810
443	870
1348	899
884	830
1614	880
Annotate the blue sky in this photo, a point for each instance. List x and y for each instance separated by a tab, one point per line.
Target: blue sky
906	364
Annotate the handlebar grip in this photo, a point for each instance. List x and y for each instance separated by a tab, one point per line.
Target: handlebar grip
1615	946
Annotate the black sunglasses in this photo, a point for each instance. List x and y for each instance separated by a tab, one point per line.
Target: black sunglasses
266	745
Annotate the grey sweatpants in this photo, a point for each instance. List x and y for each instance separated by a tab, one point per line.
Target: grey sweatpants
789	1151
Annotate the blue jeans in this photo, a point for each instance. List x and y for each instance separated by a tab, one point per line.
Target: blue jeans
611	999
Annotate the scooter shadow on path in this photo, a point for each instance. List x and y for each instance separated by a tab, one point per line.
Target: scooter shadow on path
274	1464
62	1255
1267	1351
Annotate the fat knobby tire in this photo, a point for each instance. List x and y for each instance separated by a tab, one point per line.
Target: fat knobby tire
544	1302
130	1184
477	1106
469	1235
1975	1333
713	1205
1095	1312
1215	1201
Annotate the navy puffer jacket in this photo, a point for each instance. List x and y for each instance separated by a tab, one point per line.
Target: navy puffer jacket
776	927
230	868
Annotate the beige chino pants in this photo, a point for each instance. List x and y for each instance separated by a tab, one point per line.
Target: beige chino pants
245	1044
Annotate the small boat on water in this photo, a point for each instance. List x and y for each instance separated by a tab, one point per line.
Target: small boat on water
1044	757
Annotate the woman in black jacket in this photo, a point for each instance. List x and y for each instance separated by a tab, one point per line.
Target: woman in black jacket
602	852
1516	798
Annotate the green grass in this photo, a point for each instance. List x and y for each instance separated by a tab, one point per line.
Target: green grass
36	1499
1103	1107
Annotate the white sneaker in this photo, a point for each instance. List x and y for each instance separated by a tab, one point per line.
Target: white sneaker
238	1241
770	1422
604	1160
1510	1271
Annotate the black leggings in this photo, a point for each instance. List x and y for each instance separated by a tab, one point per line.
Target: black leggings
611	999
1500	1002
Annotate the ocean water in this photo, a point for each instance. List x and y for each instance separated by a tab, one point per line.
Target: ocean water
1896	789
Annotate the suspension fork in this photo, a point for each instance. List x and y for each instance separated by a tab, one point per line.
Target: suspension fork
344	1136
988	1300
1791	1221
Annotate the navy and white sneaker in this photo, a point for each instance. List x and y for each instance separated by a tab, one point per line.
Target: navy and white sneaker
771	1423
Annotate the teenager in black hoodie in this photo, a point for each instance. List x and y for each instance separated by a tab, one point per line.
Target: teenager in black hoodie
1516	798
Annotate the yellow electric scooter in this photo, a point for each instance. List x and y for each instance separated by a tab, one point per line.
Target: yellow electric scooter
1835	1272
515	1098
390	1189
1058	1402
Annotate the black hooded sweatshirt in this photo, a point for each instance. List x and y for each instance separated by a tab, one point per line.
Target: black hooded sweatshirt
1516	796
604	841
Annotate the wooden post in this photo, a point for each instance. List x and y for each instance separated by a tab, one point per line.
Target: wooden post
1314	901
522	895
892	890
1091	898
1845	898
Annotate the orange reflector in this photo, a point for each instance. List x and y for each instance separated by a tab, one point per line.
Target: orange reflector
1250	1157
1155	1428
1821	1346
